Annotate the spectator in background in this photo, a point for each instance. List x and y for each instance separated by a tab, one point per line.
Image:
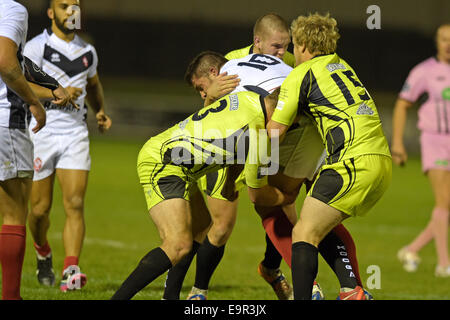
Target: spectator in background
429	83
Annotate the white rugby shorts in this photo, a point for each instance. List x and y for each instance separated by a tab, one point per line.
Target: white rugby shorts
60	151
16	154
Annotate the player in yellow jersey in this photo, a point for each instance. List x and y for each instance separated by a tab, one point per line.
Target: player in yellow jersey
358	166
270	36
229	133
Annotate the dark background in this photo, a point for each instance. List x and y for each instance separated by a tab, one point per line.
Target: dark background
144	47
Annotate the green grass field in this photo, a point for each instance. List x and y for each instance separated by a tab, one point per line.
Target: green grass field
120	232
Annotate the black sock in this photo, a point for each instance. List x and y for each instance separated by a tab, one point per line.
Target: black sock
333	251
208	258
272	258
154	264
177	273
304	269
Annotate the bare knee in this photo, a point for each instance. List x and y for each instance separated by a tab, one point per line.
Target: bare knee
74	204
220	232
40	208
177	248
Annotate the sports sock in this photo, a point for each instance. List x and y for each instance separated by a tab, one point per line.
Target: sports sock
279	230
44	250
272	258
12	252
208	258
304	269
154	264
70	261
335	254
440	233
177	273
345	236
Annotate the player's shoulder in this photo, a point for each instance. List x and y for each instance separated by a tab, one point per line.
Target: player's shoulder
83	43
238	53
424	66
13	9
39	40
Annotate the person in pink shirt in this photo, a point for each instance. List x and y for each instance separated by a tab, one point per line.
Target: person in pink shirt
429	84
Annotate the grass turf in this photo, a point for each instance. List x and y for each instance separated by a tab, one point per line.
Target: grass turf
120	232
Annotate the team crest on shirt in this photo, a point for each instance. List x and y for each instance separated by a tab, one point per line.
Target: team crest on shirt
85	62
364	109
37	164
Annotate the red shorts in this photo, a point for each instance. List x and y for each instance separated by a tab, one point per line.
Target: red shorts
435	150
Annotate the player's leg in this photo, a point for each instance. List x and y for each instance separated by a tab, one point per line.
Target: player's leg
14	195
440	182
201	223
39	222
73	186
40	204
174	222
317	219
210	253
433	149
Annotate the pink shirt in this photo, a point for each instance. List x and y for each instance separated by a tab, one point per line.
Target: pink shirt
430	79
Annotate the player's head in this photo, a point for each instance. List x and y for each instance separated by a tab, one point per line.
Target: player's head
271	35
61	13
313	35
443	42
202	69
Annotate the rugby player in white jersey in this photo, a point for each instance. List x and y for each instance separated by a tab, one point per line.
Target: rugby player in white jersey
62	149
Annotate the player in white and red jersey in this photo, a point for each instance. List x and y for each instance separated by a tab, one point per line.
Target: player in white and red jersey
429	84
62	149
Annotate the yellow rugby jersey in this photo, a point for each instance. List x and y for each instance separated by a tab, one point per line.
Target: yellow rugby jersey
327	89
288	57
226	132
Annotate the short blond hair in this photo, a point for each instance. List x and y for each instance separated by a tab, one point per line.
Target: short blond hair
268	23
318	33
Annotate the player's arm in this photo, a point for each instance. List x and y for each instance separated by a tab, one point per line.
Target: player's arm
268	196
399	154
45	86
96	100
286	111
220	86
13	77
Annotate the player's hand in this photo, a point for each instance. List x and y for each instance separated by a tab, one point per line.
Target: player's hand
104	122
39	114
399	155
74	92
63	97
221	85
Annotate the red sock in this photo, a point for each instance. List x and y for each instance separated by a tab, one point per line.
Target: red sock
279	229
12	252
70	261
347	239
44	250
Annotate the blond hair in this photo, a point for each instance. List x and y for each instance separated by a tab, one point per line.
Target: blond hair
268	23
319	34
